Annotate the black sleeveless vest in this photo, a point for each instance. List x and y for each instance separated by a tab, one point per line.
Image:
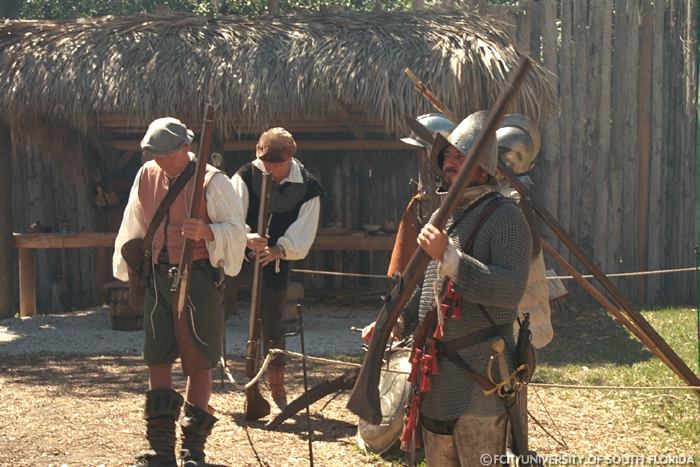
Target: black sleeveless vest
286	200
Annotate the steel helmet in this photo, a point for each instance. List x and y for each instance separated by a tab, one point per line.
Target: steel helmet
462	138
434	123
518	142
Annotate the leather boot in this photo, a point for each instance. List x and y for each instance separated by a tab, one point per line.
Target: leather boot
161	411
275	376
196	426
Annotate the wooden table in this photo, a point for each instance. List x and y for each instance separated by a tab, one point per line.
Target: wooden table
27	243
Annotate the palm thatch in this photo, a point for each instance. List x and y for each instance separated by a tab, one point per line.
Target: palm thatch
257	69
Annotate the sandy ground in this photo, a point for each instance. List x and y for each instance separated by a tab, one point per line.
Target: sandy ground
73	395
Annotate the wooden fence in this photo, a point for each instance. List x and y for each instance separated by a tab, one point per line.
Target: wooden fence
618	166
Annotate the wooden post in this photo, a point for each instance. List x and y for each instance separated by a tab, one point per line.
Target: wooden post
27	282
273	7
7	269
644	135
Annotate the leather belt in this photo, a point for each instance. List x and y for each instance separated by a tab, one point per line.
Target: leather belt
198	264
451	348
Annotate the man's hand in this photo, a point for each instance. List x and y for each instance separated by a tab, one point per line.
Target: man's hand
196	229
269	254
255	242
433	241
367	332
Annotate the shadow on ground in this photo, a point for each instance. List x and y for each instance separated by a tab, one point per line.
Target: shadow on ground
589	335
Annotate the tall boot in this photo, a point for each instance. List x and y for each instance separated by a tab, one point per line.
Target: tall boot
275	376
161	411
196	426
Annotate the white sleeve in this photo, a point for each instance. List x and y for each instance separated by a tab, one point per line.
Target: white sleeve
299	236
449	265
227	216
241	190
133	226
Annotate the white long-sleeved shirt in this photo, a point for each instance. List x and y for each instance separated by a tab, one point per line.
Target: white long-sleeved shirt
225	210
299	236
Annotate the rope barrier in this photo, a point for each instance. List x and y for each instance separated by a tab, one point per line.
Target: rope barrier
630	274
587	276
613	388
341	274
274	352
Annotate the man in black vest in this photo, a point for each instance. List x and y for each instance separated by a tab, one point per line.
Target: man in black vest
295	206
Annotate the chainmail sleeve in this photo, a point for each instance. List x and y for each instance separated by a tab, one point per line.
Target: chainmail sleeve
501	282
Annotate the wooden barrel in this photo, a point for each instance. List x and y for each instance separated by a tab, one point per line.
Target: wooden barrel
124	317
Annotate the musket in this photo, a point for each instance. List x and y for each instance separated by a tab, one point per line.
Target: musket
256	406
364	399
193	359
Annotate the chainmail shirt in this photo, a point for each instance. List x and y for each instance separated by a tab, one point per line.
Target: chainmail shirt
494	276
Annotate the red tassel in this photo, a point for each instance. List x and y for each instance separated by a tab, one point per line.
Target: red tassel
409	424
426	381
457	309
435	369
415	362
444	309
438	332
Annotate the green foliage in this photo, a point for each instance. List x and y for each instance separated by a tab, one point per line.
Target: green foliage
66	9
70	9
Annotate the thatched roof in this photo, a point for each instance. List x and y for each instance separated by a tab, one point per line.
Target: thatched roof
257	69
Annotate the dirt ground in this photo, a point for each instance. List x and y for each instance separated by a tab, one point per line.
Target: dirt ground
86	411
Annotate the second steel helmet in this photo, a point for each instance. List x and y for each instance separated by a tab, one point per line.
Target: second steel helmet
434	123
518	142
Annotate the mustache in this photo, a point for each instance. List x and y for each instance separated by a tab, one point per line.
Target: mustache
451	171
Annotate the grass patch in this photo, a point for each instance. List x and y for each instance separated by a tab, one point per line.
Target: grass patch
591	348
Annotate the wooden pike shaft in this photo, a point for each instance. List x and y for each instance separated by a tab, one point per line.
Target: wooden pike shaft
652	339
604	302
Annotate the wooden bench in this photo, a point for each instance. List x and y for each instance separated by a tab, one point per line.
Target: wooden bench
27	243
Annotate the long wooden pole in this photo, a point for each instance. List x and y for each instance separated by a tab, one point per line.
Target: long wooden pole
7	270
600	298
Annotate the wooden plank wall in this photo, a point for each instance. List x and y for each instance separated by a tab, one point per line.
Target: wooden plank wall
618	164
51	186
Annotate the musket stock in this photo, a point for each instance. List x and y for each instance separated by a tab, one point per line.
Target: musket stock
364	399
256	405
193	360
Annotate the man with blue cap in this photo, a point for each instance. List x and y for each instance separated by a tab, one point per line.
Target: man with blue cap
219	243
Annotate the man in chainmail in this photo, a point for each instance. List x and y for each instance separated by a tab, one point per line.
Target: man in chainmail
459	423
